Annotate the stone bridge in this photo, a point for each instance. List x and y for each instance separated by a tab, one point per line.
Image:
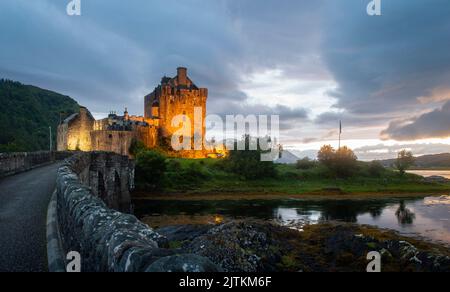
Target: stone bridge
50	207
91	190
110	177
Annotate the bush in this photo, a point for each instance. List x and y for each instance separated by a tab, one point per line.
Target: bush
343	162
247	163
346	164
291	175
319	172
187	176
173	165
150	170
136	147
375	169
306	163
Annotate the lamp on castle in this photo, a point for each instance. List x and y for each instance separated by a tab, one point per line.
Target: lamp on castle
155	109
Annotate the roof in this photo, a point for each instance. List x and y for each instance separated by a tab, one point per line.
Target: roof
70	118
173	82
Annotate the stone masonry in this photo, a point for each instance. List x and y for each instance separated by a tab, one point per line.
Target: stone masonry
108	240
13	163
173	97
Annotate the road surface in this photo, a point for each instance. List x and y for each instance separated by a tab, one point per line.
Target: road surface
24	200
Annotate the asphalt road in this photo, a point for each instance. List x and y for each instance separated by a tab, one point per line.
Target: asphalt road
24	200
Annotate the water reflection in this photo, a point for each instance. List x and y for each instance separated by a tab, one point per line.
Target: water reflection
427	217
404	215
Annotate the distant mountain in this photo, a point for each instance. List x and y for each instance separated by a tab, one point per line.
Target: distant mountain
311	154
287	157
27	112
437	161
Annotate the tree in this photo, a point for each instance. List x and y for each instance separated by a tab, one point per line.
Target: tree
27	113
150	170
404	161
343	162
248	164
327	155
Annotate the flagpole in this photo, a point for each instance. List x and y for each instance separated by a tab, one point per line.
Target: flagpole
340	132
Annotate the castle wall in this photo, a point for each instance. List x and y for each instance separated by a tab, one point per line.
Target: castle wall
112	141
74	133
82	132
120	141
148	135
61	137
174	97
183	102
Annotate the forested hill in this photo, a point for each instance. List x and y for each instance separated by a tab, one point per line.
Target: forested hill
437	161
27	112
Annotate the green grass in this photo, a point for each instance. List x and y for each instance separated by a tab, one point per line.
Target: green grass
207	176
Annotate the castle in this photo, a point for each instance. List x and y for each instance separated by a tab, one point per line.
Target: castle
173	97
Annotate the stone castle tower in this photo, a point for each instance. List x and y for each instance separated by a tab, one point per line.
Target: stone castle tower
173	97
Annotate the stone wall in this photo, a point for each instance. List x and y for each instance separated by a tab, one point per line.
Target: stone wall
112	141
107	240
75	132
82	132
12	163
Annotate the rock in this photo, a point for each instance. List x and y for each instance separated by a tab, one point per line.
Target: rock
138	260
186	263
436	179
258	246
184	232
240	246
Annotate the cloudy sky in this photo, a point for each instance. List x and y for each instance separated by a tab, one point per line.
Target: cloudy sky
313	62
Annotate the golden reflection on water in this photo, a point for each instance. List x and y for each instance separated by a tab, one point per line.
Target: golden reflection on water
158	221
218	219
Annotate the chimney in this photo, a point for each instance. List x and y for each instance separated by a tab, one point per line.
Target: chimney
182	76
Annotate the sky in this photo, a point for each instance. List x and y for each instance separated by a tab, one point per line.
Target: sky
313	63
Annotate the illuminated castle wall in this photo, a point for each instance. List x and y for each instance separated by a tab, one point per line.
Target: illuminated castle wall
173	97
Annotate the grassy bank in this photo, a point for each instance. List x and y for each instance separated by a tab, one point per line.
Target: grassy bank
196	179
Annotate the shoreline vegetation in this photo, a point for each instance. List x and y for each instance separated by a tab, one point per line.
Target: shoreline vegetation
282	196
336	174
262	246
206	179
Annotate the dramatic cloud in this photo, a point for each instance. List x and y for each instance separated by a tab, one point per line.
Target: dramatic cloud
435	124
312	62
383	65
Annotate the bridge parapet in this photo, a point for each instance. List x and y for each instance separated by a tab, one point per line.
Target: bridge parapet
108	240
13	163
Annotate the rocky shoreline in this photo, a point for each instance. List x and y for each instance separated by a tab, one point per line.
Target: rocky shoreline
259	246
